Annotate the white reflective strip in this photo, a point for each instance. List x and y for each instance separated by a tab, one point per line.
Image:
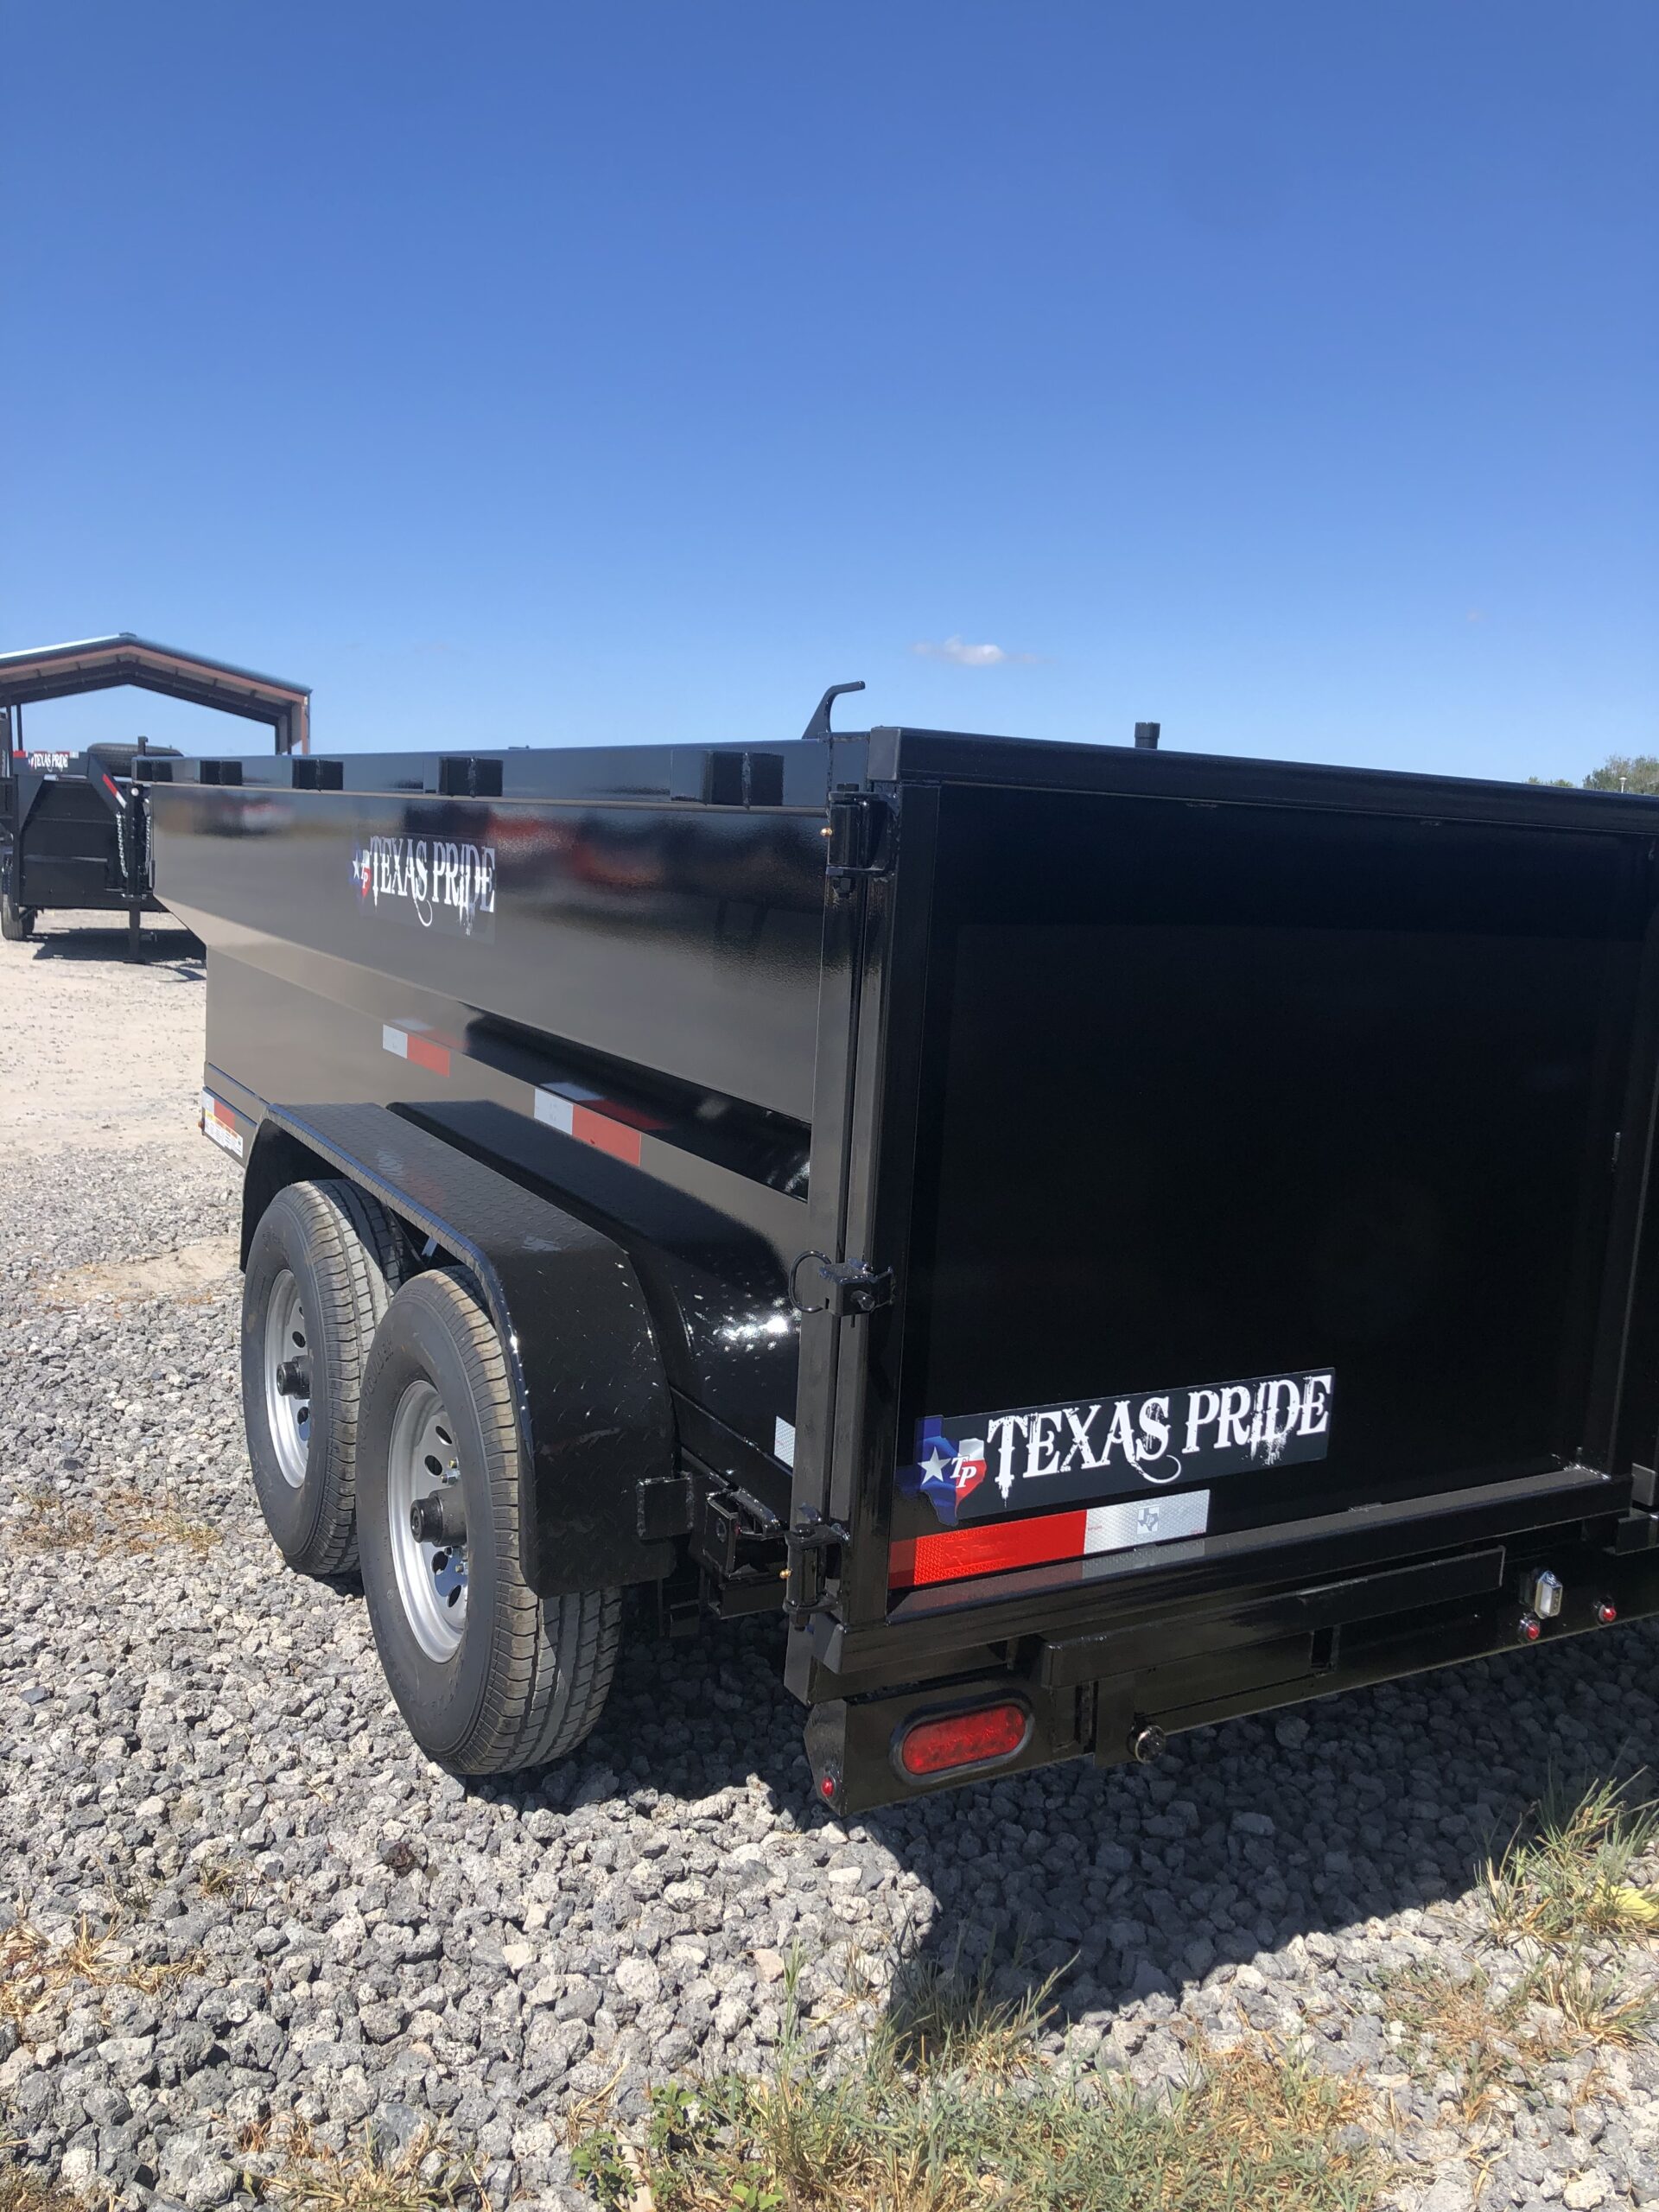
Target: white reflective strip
1145	1520
395	1040
783	1441
208	1101
551	1108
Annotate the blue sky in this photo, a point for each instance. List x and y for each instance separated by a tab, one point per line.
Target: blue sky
539	374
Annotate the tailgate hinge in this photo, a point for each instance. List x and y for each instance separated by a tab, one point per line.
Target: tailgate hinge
817	1285
860	841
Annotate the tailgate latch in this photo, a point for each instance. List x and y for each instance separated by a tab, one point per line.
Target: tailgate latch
804	1546
844	1288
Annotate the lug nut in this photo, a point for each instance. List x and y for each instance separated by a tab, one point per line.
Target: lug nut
1530	1628
1606	1612
1148	1742
438	1519
294	1378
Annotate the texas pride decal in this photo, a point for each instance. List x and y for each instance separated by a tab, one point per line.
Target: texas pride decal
976	1467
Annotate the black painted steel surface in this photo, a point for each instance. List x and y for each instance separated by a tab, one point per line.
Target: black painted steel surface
663	964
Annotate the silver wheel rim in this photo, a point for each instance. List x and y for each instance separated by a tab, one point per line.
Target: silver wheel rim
431	1578
288	1412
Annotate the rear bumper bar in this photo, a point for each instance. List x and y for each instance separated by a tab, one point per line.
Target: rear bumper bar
1108	1690
1173	1584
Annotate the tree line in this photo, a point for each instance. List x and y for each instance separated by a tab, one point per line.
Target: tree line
1620	771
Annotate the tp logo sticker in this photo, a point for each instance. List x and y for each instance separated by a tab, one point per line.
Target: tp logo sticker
949	1472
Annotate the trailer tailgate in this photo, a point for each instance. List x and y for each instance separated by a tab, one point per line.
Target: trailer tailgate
1265	1169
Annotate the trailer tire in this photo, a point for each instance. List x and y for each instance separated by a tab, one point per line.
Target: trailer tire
323	1265
489	1677
16	922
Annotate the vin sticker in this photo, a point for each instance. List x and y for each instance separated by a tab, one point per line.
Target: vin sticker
978	1466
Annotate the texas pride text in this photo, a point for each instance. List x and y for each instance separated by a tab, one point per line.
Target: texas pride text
972	1466
427	877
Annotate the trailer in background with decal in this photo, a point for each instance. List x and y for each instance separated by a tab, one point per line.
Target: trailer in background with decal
74	826
1101	1240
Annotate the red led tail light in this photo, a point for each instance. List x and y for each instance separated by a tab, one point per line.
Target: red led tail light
944	1743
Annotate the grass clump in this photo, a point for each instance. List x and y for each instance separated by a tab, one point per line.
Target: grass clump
1568	1899
52	1524
24	2189
1574	1876
951	2107
942	2022
132	1521
1463	2026
1483	2035
299	2174
37	1973
1598	2001
157	1526
224	1878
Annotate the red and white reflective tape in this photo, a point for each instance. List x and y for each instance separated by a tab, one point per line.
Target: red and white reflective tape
218	1122
994	1547
587	1116
591	1118
416	1044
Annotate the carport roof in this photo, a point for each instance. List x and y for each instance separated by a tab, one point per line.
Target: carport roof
101	664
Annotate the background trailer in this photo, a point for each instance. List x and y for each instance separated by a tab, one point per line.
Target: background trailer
71	833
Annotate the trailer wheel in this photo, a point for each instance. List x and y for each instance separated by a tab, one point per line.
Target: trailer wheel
322	1268
488	1676
16	922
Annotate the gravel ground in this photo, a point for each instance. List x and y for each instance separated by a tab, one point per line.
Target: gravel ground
303	1917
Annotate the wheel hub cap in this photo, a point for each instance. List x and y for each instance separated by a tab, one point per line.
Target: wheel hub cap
431	1574
288	1408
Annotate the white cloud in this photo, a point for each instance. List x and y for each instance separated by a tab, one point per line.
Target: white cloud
966	655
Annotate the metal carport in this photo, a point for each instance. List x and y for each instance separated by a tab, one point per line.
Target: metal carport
104	664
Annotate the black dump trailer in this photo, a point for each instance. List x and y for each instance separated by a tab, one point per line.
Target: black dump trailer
71	835
1104	1240
74	827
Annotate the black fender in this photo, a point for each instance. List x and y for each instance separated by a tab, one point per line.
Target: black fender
597	1438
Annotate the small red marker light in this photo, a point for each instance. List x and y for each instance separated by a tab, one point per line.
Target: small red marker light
827	1787
1531	1628
1606	1612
